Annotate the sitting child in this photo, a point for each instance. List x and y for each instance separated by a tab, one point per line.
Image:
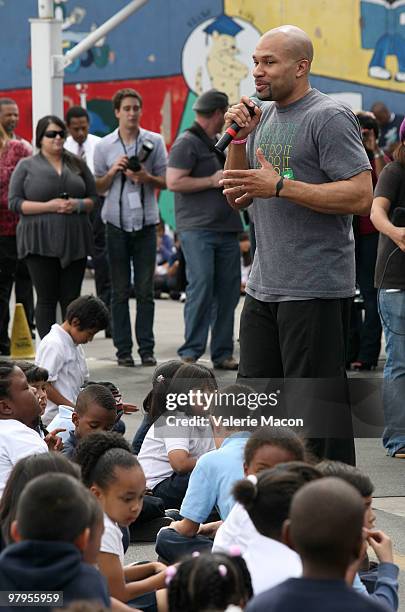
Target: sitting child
154	403
122	408
51	532
266	447
267	498
208	582
211	481
37	379
96	410
386	576
25	470
326	530
61	353
167	460
115	477
19	413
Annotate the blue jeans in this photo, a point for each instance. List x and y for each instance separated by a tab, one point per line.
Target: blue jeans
389	44
213	290
172	546
392	308
140	249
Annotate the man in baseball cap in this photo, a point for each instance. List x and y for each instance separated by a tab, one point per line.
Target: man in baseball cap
208	230
210	101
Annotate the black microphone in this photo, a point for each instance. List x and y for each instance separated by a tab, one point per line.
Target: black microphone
232	131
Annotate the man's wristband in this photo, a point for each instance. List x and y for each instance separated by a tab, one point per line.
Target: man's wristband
239	142
81	206
279	186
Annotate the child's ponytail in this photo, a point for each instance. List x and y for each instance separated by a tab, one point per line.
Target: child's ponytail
98	455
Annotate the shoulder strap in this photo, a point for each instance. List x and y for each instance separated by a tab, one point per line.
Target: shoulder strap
197	130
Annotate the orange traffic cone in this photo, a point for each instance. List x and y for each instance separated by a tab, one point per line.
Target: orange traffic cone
22	346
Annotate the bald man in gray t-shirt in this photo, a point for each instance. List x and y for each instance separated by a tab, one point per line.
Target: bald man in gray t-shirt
305	172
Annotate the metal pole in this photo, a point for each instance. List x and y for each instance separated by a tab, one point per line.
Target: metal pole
47	78
45	9
101	31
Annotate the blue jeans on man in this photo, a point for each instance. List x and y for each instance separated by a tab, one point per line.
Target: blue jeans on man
213	290
138	248
392	309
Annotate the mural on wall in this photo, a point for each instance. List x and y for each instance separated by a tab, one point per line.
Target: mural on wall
172	50
100	54
383	30
222	46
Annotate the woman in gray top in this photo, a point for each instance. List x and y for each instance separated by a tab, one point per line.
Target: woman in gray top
53	192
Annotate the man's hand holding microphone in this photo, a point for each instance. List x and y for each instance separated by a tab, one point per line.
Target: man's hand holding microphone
242	185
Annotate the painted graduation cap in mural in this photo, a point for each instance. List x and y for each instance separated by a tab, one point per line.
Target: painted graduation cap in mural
224	45
224	25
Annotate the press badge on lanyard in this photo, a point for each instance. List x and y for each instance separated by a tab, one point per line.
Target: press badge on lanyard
134	200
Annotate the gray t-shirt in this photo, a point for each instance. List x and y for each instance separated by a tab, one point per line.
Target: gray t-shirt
302	253
207	209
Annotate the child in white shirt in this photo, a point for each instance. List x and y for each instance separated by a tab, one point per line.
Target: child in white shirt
267	498
61	353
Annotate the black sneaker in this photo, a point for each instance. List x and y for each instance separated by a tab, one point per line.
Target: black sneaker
126	361
148	360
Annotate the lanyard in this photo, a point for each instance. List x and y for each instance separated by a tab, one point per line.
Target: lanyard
124	178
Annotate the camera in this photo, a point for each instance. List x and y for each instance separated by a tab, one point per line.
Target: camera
135	161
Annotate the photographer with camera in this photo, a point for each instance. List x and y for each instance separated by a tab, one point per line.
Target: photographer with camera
130	163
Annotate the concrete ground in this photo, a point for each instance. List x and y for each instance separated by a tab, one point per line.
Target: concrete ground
386	473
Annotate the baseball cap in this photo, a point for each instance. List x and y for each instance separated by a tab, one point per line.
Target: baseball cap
211	100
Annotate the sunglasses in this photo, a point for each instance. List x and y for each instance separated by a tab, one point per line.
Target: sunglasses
55	133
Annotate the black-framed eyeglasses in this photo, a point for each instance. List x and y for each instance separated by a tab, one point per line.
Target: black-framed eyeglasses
55	133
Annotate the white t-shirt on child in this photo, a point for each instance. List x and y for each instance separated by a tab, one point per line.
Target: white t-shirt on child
236	530
154	452
270	562
66	364
111	541
16	441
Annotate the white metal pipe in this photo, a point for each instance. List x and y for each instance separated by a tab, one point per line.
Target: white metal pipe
101	31
47	80
45	9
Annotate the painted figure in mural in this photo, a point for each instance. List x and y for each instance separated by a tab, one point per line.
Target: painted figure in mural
225	70
304	170
100	54
208	231
130	164
383	29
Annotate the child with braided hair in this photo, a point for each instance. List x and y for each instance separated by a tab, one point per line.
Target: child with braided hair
208	582
266	447
114	476
267	498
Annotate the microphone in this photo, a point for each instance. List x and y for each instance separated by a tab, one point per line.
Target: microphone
232	131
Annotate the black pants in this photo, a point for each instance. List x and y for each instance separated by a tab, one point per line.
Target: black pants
365	335
300	339
100	259
172	490
12	270
53	284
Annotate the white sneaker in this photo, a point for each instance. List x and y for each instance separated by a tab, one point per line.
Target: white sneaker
400	77
183	297
378	72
